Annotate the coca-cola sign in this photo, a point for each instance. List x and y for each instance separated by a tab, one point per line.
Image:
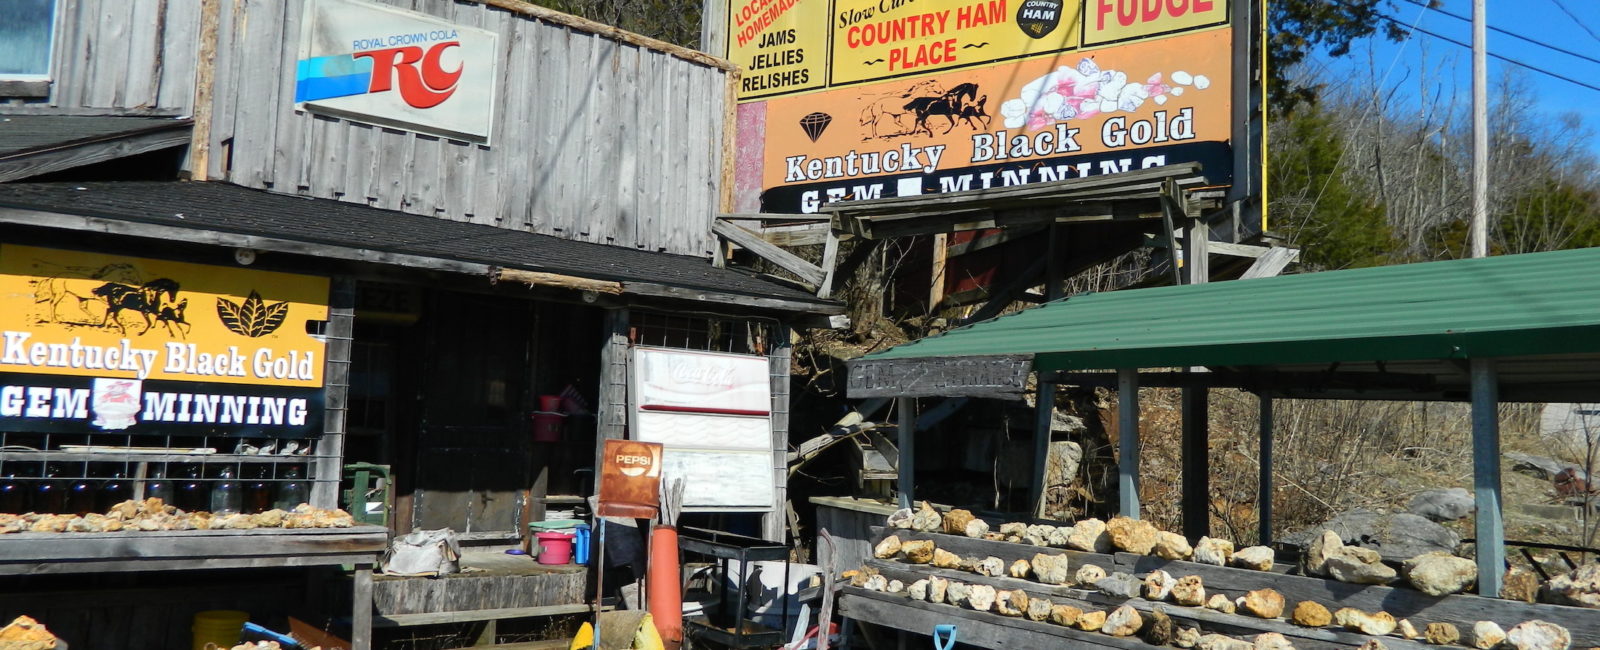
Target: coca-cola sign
702	382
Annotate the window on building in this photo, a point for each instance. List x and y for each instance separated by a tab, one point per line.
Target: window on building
27	28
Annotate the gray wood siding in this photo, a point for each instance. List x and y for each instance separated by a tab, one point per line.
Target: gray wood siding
594	139
120	57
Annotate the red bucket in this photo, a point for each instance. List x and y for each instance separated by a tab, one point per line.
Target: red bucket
547	426
555	548
550	402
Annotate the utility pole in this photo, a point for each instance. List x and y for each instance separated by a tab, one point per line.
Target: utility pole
1480	133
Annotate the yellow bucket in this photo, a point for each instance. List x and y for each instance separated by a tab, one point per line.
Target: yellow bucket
218	628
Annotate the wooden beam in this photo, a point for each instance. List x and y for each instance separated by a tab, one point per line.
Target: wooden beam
774	217
1008	293
864	248
936	272
440	618
16	88
361	608
1271	263
830	260
906	419
79	154
1196	461
761	247
614	33
543	279
205	79
1139	179
1044	415
1488	525
1128	442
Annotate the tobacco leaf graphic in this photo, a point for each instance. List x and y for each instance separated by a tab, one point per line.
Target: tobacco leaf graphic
254	318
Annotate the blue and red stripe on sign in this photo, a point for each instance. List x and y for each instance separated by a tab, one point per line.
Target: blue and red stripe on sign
324	77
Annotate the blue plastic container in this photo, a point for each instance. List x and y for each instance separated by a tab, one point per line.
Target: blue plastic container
580	544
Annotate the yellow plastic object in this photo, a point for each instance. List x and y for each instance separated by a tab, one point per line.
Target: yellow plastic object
218	628
644	636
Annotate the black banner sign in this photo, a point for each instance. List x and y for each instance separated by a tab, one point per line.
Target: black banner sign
69	404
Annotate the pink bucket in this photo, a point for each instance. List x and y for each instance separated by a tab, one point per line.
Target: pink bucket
555	548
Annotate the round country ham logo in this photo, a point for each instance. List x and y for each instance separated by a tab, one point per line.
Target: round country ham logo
1037	18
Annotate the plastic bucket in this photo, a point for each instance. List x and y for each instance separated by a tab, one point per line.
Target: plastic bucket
547	427
581	544
550	402
555	548
219	628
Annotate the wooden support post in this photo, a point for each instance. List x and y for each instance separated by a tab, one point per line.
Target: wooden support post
361	609
907	419
778	359
1490	528
830	264
1196	464
1264	487
1044	407
936	273
1128	442
612	411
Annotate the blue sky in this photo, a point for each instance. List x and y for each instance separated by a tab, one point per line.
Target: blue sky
1543	21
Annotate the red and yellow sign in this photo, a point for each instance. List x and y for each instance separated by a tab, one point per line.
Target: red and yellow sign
881	40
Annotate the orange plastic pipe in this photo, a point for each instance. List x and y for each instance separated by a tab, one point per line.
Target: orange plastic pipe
665	585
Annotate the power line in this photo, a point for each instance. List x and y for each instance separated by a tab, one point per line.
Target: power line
1574	17
1501	57
1515	35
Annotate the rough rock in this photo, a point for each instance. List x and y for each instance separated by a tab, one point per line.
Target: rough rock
939	589
1258	558
895	587
945	559
1123	621
876	583
1090	536
927	519
1213	551
977	529
1375	623
1406	630
1357	565
1061	463
1011	602
1066	615
1013	529
1158	585
1316	557
994	537
1443	505
1119	584
969	564
1521	584
991	566
887	548
900	518
1039	609
918	590
1221	642
1135	536
1440	573
981	597
1263	603
1309	613
270	519
1172	546
1373	644
918	551
955	521
955	593
1272	641
1189	591
1091	621
1088	574
1441	634
1538	635
1580	587
1019	569
1396	535
1038	534
1486	635
1159	628
1058	537
1051	569
1221	603
1186	637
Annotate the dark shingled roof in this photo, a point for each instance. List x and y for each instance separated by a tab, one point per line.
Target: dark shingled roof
20	134
228	208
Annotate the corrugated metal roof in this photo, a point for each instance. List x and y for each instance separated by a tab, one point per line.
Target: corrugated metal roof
1514	305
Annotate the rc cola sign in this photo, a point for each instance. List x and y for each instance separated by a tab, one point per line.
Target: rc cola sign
374	63
1037	18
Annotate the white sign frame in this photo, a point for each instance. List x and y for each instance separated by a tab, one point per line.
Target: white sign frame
335	34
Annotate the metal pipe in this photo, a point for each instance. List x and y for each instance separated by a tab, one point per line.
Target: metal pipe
1490	528
1128	442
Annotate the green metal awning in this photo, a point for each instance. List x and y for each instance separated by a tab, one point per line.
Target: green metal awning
1542	309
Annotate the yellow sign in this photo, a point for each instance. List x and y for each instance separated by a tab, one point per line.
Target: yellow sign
782	45
1110	21
96	315
881	39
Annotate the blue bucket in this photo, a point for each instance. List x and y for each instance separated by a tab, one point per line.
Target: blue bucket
580	545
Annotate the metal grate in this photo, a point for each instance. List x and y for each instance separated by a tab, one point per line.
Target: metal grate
706	333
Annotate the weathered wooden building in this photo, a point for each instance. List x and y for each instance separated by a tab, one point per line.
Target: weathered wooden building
490	203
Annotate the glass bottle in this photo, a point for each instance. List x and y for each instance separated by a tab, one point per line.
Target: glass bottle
80	497
225	493
258	489
192	493
49	496
158	486
13	494
113	491
292	491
